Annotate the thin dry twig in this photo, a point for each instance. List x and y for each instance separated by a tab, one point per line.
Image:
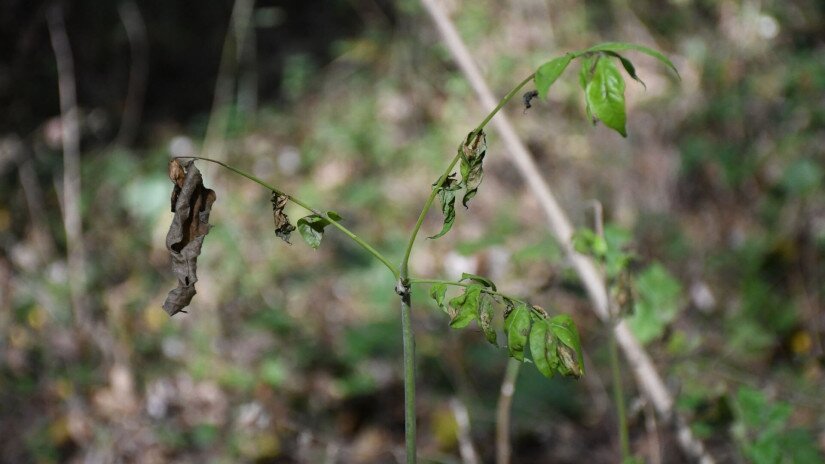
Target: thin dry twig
505	400
647	377
70	127
139	71
233	47
465	441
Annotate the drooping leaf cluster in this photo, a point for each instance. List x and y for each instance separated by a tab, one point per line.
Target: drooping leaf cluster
553	342
471	155
600	80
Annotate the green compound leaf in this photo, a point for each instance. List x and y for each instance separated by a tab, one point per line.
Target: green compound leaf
312	227
446	194
628	67
549	72
485	318
476	278
621	46
605	96
464	308
570	349
543	348
472	153
517	327
437	293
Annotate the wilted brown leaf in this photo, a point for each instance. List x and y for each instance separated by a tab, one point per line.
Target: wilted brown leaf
192	203
282	226
177	175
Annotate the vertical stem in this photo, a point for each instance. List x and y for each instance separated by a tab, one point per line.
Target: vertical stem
618	397
409	373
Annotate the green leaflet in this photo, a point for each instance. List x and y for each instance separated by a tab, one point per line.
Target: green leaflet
585	76
485	318
517	327
437	293
446	194
570	349
472	153
628	67
547	73
476	278
312	227
543	346
621	46
465	307
605	96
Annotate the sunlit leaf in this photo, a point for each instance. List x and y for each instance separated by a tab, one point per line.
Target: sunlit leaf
621	46
605	96
446	195
543	346
485	318
193	203
472	152
482	280
465	307
283	228
312	227
570	349
547	73
517	327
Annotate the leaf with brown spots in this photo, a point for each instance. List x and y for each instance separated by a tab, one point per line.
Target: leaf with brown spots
192	203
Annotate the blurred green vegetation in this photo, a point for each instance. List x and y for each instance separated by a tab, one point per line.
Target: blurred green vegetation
293	355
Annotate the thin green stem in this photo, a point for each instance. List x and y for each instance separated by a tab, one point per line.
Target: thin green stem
428	204
618	397
467	284
409	376
369	248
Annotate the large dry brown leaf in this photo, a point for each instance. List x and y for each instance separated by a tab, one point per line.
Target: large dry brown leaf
191	203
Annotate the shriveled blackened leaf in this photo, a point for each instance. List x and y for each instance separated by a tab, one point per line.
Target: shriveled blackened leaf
485	317
517	327
472	153
311	227
437	293
528	97
465	307
176	175
282	226
446	194
185	238
477	278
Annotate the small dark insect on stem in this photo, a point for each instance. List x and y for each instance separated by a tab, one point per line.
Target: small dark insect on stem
528	97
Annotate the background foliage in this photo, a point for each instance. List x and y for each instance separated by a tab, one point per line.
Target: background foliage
291	354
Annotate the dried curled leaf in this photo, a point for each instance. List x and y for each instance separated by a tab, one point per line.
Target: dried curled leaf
282	226
176	175
472	153
192	203
446	194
